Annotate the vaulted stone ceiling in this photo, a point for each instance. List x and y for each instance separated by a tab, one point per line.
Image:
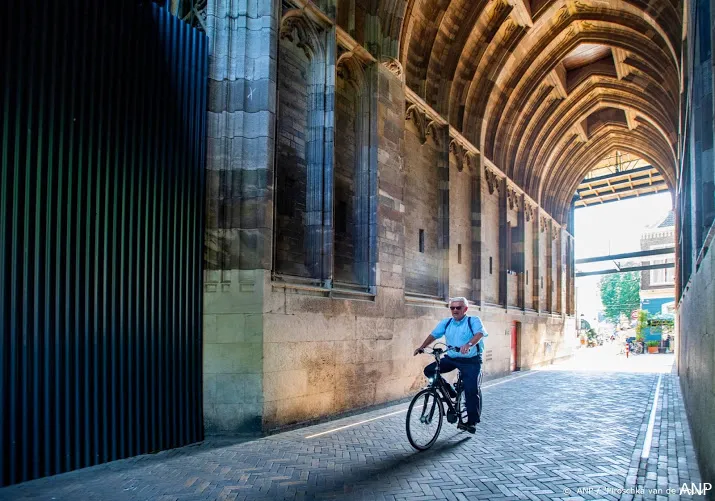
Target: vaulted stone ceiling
548	88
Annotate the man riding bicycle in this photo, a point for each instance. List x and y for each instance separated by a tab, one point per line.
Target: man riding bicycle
467	333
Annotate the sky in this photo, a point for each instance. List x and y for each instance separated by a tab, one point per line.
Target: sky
611	228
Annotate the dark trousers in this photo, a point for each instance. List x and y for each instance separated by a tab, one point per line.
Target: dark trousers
470	369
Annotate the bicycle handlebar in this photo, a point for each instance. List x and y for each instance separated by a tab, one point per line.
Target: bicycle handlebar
439	351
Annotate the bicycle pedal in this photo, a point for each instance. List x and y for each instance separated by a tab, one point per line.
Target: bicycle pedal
451	417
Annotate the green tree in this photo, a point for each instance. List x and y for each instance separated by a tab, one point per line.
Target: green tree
642	324
620	294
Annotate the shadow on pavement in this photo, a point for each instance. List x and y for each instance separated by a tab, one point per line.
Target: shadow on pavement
367	481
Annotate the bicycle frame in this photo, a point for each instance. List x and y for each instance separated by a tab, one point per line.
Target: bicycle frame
437	385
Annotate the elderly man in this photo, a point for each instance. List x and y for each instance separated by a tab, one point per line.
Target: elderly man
467	334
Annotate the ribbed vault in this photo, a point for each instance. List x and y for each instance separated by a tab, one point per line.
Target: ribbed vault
546	88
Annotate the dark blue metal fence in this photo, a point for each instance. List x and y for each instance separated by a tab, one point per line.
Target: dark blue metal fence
101	221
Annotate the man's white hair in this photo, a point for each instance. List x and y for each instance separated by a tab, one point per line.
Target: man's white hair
459	299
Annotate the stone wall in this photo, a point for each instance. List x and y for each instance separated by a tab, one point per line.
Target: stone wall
529	265
391	184
460	230
233	354
239	163
696	360
555	252
294	68
543	261
490	244
421	200
324	356
695	233
346	113
281	350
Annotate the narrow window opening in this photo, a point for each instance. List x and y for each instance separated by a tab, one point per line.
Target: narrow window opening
422	240
527	277
286	201
490	265
341	217
459	253
542	282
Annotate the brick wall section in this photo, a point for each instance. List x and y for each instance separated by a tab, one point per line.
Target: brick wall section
391	183
536	259
550	268
291	168
555	268
422	202
346	111
490	244
504	250
512	250
440	135
476	234
518	249
543	260
529	264
460	228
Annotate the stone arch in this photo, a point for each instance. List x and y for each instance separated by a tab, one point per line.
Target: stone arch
580	159
539	161
485	118
548	104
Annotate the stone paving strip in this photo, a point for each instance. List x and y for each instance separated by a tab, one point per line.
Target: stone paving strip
545	435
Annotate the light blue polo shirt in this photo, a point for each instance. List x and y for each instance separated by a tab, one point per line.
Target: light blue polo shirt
458	333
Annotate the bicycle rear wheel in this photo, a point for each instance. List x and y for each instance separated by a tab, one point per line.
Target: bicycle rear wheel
424	419
462	406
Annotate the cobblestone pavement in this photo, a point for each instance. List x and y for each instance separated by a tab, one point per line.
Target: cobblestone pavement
571	432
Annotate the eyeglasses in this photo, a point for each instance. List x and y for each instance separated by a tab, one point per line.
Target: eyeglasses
456	308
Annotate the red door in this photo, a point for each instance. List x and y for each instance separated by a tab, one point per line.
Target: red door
514	344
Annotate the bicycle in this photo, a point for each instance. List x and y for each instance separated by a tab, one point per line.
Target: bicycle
636	348
428	405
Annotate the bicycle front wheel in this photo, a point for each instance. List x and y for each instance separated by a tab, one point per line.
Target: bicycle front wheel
424	419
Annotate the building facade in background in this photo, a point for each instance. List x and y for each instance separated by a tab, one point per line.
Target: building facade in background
658	286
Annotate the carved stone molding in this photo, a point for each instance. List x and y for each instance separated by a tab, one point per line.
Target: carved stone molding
492	181
434	130
463	156
528	211
542	223
350	67
297	28
415	115
469	161
513	198
394	66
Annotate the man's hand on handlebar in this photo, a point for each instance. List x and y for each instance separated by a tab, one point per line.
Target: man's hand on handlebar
418	351
465	349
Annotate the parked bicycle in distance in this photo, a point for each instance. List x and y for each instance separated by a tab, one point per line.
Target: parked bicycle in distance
431	404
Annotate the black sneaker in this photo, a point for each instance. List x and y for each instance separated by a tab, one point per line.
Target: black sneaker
469	428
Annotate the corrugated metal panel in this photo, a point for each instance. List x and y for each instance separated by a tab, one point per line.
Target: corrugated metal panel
101	217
